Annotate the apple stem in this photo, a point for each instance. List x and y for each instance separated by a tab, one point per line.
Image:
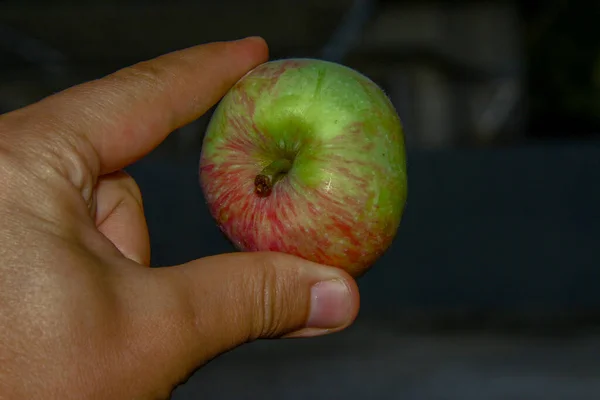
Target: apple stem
264	182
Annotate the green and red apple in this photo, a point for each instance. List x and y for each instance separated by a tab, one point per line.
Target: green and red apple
306	157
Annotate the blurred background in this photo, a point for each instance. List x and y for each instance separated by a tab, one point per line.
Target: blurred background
492	287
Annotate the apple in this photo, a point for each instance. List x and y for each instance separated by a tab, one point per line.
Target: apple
306	157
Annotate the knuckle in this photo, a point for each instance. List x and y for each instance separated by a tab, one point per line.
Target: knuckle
49	158
275	300
147	73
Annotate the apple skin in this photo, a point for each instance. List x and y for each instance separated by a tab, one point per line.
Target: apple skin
342	200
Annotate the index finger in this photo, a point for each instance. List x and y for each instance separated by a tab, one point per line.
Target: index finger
127	114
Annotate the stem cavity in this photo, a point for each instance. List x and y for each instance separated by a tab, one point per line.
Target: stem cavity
264	182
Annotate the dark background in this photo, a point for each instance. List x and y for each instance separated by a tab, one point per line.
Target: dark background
492	288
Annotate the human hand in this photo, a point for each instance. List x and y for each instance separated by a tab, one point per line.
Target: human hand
81	315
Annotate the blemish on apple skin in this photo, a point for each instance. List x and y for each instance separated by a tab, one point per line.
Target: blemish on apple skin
223	216
328	187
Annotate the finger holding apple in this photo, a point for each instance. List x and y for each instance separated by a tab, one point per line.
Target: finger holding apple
306	157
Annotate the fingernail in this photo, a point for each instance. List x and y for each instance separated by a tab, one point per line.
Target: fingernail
330	308
330	304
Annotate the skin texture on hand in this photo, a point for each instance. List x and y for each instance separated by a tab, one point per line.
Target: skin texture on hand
81	314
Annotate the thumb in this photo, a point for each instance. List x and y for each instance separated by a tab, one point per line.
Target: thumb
235	298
